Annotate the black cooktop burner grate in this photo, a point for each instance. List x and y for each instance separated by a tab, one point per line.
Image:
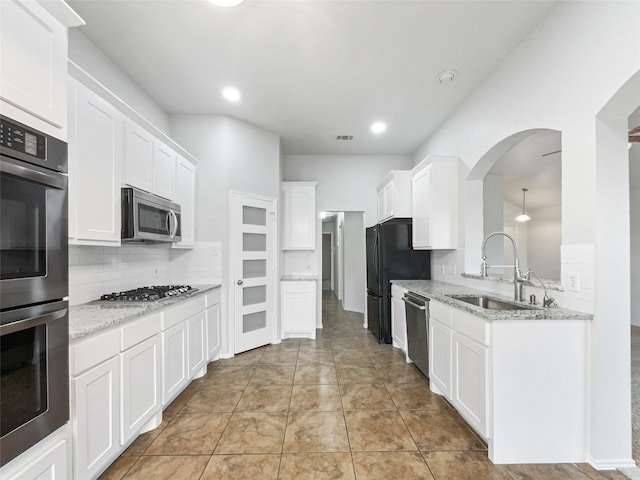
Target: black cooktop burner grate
148	294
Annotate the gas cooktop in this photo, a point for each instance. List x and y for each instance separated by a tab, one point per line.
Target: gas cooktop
155	293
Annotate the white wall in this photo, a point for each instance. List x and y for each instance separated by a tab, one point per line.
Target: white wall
234	156
635	256
560	78
354	262
345	182
544	237
90	58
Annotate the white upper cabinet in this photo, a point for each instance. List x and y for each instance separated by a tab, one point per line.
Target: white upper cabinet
185	196
394	196
435	203
95	156
164	169
138	157
33	62
149	164
299	215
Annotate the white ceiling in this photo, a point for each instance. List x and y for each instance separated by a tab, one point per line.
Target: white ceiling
311	70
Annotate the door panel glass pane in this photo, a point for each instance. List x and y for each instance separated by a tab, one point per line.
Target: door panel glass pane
254	216
254	321
253	295
254	268
254	242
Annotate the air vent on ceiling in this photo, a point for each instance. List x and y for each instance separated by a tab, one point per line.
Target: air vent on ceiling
344	137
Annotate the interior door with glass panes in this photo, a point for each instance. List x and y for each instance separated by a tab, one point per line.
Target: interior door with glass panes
253	248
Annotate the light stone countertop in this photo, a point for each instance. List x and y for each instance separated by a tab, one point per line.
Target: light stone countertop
298	278
436	290
91	318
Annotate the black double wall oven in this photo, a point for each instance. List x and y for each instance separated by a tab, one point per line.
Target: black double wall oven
34	284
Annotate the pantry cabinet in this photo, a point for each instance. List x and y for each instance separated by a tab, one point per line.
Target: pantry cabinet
394	196
299	215
435	203
95	160
33	62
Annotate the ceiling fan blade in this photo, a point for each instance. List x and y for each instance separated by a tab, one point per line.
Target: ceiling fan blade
634	130
634	138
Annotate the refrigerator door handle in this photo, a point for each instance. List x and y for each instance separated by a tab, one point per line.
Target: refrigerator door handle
375	262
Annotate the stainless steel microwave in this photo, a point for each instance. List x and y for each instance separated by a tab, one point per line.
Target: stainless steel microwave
148	218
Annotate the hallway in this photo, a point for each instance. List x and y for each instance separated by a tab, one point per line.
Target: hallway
339	407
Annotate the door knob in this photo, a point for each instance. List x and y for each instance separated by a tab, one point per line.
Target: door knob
240	282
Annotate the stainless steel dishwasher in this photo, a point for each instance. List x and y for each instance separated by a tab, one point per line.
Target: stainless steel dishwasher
417	314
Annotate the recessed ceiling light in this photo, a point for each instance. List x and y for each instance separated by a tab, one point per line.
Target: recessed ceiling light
446	77
378	127
231	94
226	3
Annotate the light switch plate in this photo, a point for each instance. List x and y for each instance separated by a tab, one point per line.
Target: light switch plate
573	282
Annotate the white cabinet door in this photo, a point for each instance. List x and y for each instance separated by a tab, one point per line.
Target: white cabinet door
421	193
138	157
213	331
96	396
394	195
33	61
434	202
197	345
440	357
47	460
185	196
164	168
469	385
141	386
175	368
298	309
398	318
299	219
95	155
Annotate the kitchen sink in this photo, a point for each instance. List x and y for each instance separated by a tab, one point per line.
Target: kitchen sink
488	302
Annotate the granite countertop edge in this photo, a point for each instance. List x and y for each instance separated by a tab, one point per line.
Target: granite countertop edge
436	290
90	318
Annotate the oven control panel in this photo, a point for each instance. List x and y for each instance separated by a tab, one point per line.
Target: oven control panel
22	140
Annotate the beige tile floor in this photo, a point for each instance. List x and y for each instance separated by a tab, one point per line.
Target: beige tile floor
339	407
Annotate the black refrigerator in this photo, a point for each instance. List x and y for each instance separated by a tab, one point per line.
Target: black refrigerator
390	257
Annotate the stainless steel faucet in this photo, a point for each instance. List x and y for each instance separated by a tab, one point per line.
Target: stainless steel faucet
518	277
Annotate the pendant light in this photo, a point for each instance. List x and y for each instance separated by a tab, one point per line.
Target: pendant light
523	217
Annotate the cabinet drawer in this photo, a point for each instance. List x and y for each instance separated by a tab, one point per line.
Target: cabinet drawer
93	351
302	286
181	312
397	290
440	312
139	330
472	326
213	297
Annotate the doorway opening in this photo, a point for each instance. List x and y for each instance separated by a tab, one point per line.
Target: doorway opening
344	259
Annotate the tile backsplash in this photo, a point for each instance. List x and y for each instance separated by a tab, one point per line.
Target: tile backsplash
97	270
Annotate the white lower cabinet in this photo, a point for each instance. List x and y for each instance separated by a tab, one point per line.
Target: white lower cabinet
213	325
298	308
398	318
469	386
141	386
175	367
96	418
46	460
197	345
440	357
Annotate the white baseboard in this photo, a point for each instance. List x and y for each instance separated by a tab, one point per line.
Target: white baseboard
613	464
